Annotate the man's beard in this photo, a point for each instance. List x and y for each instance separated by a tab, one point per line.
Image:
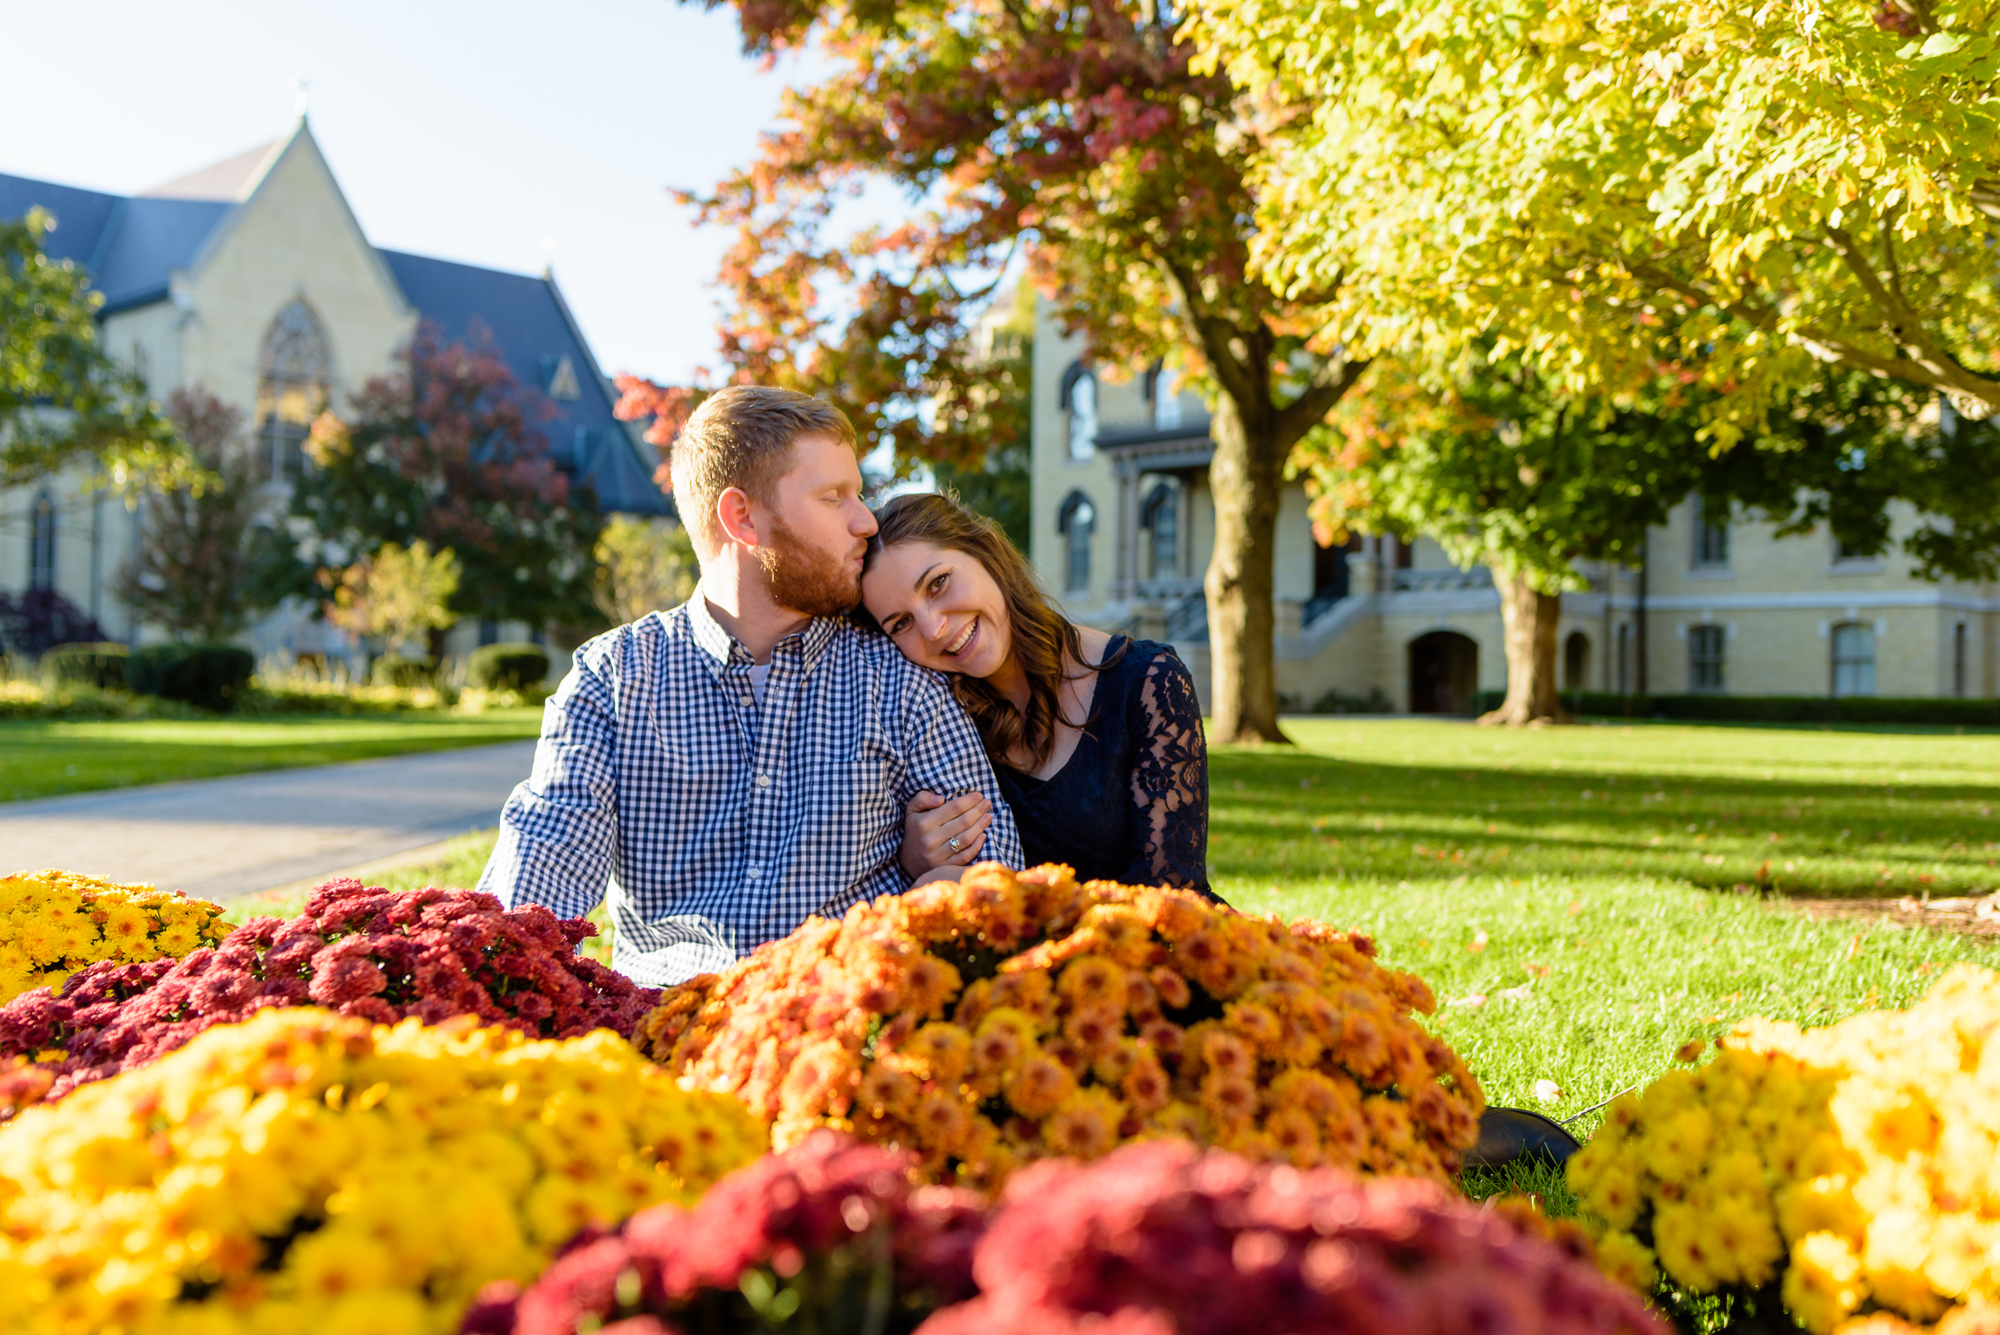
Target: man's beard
804	580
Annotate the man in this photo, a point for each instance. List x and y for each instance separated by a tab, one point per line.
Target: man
725	770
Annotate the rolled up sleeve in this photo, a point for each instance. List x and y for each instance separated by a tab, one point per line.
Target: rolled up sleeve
946	756
559	830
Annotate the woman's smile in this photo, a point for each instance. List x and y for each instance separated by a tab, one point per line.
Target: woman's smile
966	638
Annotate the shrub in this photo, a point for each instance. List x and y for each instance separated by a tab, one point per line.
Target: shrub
207	676
36	621
507	667
1162	1239
309	1172
359	950
54	923
1835	1172
1011	1017
100	665
822	1237
1939	710
401	671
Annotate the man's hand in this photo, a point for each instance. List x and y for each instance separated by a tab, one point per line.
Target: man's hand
933	822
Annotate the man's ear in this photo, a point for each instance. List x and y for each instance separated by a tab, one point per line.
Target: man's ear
735	517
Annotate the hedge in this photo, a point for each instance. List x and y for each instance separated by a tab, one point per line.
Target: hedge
400	670
208	676
507	667
101	665
1944	710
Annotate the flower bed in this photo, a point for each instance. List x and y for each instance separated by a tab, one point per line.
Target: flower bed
828	1233
310	1172
1161	1239
53	923
382	956
1007	1018
1845	1173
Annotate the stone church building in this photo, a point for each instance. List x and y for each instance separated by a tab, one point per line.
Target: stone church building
1124	523
252	279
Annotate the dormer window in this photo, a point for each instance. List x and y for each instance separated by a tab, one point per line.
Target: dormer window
294	376
559	379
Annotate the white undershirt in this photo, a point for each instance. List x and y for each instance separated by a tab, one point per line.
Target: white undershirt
759	674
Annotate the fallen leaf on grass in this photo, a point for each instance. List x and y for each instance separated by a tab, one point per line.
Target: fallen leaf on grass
1521	993
1475	1000
1478	941
1548	1091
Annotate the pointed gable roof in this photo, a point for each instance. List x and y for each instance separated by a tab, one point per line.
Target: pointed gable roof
131	245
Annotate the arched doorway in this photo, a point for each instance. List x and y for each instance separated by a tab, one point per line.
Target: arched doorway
1576	661
1444	673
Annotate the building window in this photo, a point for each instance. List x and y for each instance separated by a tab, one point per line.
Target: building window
1854	658
1624	656
294	374
1079	401
489	632
1705	658
1162	518
1958	659
1074	521
1711	539
1164	389
42	544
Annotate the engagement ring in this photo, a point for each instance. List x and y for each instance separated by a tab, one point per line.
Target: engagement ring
954	843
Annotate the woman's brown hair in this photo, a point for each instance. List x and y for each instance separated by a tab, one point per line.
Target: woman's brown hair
1044	640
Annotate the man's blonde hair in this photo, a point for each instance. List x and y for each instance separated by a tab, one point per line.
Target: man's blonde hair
742	437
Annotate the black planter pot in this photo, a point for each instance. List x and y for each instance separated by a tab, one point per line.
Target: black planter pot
1511	1135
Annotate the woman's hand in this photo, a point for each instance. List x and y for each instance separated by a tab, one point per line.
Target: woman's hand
932	824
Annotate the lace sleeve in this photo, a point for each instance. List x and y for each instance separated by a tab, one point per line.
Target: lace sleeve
1169	780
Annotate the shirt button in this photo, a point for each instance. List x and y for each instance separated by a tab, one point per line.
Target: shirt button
754	873
763	781
749	702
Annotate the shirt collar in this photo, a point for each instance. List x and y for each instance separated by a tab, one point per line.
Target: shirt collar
723	650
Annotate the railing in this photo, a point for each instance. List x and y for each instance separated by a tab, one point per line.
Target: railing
1441	581
1188	619
1316	607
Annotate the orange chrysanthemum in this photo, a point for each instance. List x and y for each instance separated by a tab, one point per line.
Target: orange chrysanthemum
1010	1015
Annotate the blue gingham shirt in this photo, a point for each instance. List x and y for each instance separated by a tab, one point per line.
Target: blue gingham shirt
712	823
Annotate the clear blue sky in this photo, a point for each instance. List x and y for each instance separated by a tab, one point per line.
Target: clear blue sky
471	131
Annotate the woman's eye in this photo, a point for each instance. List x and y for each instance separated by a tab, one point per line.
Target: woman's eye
937	585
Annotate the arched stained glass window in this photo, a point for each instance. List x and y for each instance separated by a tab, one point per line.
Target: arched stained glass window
294	375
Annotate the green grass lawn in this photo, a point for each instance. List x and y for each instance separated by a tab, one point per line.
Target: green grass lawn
42	759
1584	900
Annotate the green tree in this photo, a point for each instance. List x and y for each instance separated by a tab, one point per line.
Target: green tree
204	565
449	450
1075	134
643	566
1768	188
1502	468
62	400
397	594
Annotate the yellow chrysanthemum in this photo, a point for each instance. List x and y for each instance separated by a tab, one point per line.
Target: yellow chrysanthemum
54	923
304	1171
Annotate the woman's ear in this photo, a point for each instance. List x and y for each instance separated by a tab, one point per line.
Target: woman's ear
736	519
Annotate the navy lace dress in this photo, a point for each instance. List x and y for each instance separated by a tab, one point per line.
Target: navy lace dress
1131	803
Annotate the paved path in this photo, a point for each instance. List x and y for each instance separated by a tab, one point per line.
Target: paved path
222	838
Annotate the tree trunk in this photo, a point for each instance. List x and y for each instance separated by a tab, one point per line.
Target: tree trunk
1530	618
1243	477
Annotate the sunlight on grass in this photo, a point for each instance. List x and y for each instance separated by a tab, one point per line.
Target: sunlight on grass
40	759
1584	900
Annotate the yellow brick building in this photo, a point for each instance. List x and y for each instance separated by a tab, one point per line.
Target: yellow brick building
1124	523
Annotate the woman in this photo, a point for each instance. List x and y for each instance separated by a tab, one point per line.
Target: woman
1096	739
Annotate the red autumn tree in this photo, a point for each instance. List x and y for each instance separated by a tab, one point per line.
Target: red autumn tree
450	450
1074	134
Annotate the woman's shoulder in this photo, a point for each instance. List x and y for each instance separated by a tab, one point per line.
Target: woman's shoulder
1151	675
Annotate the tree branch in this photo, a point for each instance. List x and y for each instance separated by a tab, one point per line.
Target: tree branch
1335	377
1248	384
1940	369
